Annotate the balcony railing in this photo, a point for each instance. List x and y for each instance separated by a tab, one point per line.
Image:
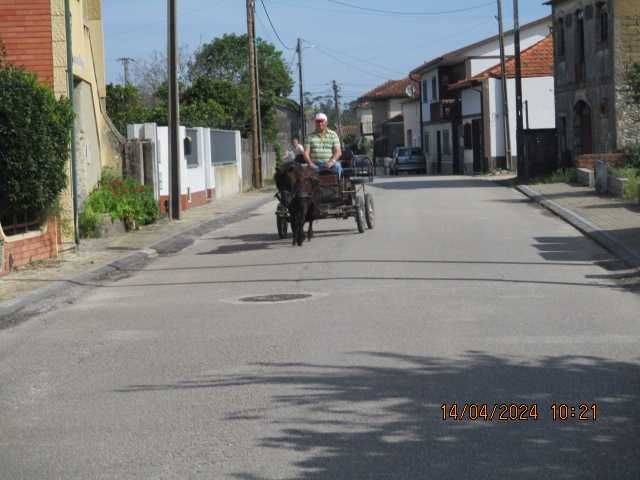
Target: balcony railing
445	110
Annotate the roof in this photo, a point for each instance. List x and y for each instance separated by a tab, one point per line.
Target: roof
391	89
350	130
459	54
536	61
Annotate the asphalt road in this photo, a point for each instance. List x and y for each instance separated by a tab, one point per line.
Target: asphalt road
464	293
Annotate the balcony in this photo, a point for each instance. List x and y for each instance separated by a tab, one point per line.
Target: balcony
445	111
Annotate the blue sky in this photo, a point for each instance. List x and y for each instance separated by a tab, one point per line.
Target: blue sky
358	48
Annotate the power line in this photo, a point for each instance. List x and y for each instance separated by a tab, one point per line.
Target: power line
395	12
321	50
274	28
382	68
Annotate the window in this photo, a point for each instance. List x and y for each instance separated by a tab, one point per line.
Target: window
427	143
580	47
425	91
190	149
468	137
603	23
446	150
561	38
434	90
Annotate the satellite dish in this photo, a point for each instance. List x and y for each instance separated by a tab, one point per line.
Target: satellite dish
410	91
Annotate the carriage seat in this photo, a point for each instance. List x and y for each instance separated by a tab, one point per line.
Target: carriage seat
328	178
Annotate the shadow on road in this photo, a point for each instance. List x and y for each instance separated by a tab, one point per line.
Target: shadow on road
434	183
265	241
385	422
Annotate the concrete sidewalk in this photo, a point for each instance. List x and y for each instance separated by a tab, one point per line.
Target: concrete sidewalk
39	287
612	222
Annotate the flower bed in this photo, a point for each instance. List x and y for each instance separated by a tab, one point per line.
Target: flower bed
123	199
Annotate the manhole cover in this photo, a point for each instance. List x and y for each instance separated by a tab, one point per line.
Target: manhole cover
280	297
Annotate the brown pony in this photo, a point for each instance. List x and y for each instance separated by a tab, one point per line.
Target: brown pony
299	189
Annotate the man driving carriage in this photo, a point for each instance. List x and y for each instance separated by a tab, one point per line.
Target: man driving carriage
322	149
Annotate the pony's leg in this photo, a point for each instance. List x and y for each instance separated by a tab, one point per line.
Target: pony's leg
310	232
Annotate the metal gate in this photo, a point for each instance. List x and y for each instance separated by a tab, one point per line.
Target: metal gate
540	152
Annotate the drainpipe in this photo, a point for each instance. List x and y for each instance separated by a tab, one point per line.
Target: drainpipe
74	177
420	104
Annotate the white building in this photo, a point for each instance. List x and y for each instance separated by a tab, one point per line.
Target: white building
482	106
441	108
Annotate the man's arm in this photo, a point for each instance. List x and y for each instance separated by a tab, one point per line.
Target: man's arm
307	155
337	152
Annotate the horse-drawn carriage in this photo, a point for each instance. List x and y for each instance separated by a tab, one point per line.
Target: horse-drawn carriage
335	197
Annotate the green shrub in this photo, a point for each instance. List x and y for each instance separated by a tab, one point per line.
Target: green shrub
632	156
123	199
633	181
563	175
35	134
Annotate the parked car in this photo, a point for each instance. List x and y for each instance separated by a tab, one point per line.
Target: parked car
409	159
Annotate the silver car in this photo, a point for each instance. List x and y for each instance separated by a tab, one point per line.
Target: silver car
409	160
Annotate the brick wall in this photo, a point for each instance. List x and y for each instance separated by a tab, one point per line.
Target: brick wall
589	161
25	30
19	251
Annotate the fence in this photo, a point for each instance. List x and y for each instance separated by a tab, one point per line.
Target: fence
269	160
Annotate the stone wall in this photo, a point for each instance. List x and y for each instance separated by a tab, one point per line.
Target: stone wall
627	52
596	89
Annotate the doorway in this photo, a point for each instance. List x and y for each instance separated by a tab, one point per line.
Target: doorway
478	146
439	151
582	129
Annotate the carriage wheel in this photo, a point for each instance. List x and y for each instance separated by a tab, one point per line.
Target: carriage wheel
359	214
282	225
369	211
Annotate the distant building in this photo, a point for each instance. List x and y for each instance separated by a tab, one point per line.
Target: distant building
383	108
595	42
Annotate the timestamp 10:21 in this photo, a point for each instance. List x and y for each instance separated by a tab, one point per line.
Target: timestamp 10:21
584	412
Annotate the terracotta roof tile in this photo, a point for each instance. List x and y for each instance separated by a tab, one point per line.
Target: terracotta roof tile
391	89
537	61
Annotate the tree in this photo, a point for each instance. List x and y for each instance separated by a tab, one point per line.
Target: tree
125	106
150	74
35	134
225	61
231	98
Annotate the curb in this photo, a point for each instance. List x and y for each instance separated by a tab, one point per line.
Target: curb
60	292
609	242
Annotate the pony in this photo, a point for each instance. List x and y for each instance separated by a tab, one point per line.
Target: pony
299	192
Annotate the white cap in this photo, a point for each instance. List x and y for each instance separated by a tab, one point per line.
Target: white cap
321	116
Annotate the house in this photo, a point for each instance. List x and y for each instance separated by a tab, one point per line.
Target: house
481	104
595	41
383	105
34	36
441	109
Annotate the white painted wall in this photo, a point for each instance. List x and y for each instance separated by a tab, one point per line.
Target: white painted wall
539	92
365	117
428	94
479	65
471	101
395	107
411	114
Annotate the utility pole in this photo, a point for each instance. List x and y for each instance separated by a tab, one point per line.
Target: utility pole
255	141
303	123
336	99
125	65
174	112
523	164
70	88
505	94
